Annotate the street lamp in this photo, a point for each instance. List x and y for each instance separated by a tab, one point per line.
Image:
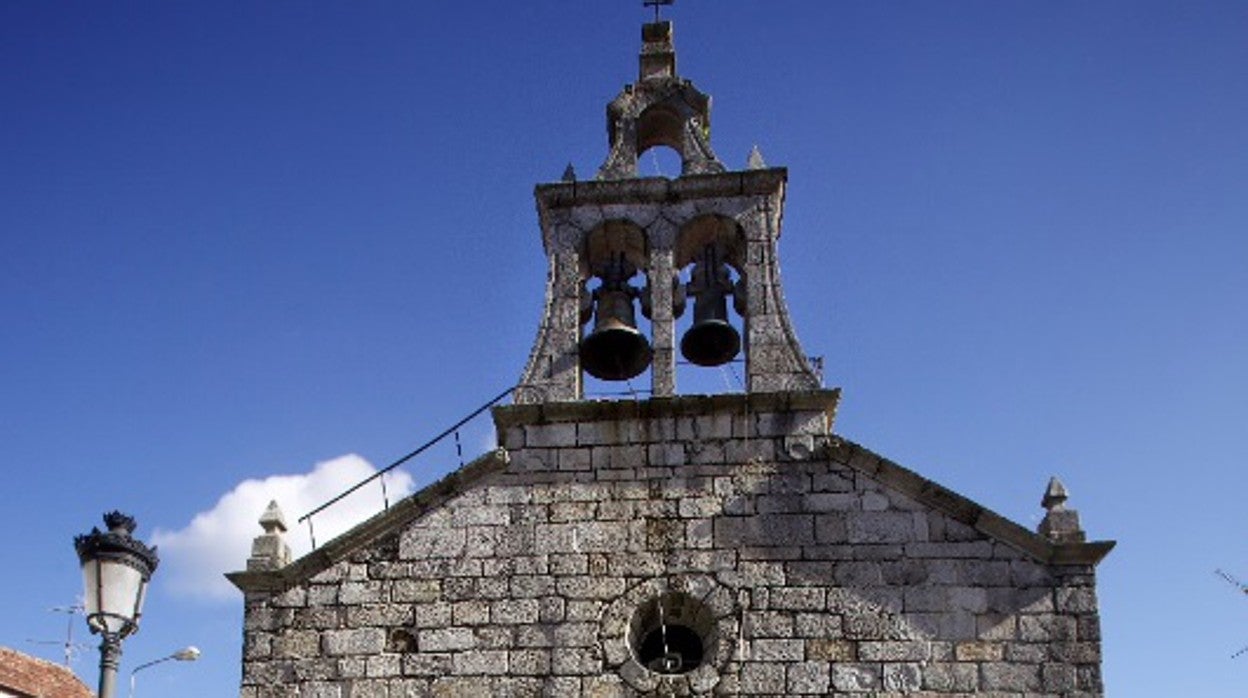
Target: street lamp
186	654
115	571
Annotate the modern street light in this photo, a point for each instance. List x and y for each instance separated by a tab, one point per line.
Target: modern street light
186	654
115	571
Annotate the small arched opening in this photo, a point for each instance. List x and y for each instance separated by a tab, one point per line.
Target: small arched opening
660	161
660	140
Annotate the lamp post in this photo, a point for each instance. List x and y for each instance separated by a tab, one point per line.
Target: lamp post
115	571
186	654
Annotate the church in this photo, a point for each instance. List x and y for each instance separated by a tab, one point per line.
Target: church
677	544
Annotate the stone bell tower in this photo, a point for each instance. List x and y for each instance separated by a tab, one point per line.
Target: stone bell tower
621	245
684	545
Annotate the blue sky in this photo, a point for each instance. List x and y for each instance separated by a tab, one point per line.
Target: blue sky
239	240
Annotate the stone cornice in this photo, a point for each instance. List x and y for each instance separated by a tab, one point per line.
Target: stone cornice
656	408
659	190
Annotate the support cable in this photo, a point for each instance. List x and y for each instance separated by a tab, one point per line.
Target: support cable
380	473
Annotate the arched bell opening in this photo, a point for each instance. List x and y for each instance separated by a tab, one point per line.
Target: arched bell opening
660	161
660	124
660	130
709	256
615	346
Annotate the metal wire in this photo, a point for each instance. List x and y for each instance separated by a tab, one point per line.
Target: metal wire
453	429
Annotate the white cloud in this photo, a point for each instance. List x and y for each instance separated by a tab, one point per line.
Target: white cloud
194	558
488	441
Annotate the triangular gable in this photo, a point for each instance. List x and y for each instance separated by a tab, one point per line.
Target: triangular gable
829	447
962	509
389	521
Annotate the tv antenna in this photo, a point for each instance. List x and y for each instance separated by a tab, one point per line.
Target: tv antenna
656	4
1243	588
68	645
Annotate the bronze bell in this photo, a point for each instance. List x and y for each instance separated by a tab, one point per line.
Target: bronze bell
712	340
615	350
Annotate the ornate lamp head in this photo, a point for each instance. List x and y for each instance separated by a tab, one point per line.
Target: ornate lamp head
116	570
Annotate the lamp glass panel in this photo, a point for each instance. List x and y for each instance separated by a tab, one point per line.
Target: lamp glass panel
138	603
91	586
121	585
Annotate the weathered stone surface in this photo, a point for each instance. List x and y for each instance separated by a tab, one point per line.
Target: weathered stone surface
856	678
834	584
359	641
808	678
763	679
1010	676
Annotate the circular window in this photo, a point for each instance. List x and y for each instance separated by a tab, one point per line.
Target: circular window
670	634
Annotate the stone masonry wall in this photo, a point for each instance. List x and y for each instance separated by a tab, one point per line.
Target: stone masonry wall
813	574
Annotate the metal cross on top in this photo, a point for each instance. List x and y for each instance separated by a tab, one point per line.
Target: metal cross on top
656	4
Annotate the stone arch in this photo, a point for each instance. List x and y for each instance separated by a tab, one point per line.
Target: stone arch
706	229
612	238
660	124
665	111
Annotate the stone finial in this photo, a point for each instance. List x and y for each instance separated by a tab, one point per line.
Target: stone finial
1055	496
755	160
658	54
569	174
1060	525
273	520
268	550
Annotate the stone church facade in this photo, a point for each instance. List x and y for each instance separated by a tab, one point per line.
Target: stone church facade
682	544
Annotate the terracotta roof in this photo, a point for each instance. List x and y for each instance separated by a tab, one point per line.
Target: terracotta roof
38	678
